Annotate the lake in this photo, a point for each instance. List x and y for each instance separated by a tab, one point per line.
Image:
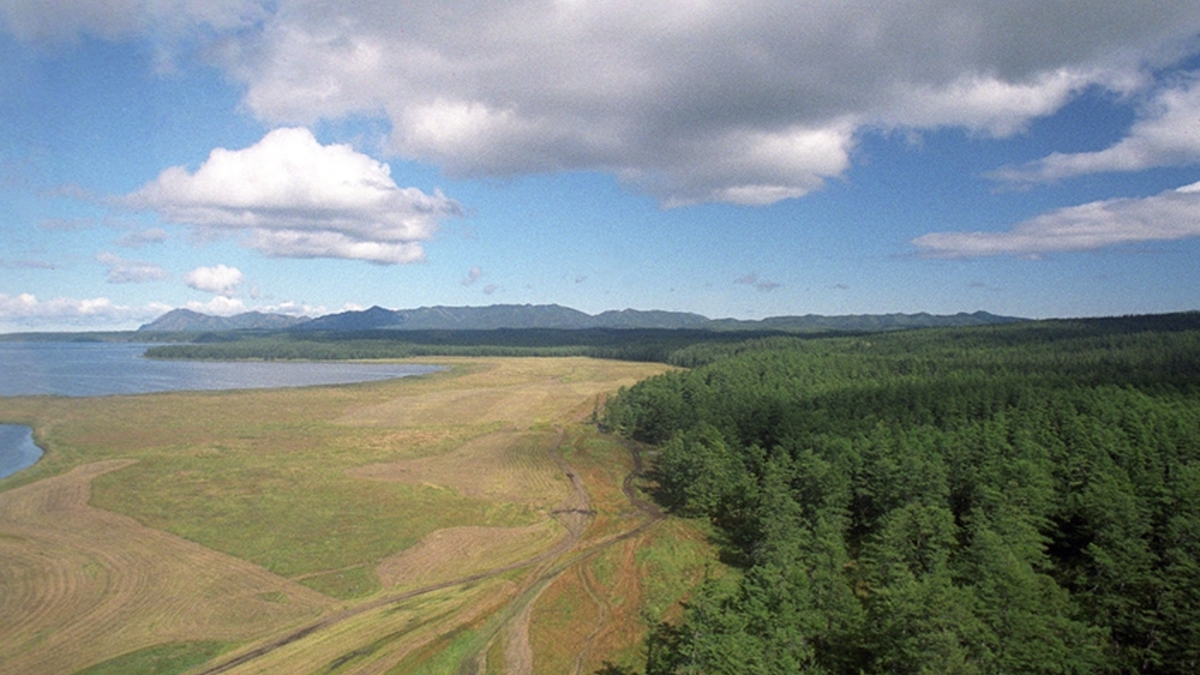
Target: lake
108	368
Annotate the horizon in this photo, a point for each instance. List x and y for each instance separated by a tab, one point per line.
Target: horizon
733	162
608	311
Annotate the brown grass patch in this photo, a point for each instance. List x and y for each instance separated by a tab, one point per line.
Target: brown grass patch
565	616
505	466
516	393
472	550
285	471
82	585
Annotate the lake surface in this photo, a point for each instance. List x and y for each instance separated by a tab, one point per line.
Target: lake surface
105	369
17	449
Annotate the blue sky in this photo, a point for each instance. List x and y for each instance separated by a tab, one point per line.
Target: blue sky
744	160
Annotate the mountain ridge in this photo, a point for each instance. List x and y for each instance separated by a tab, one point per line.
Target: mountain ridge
186	320
552	316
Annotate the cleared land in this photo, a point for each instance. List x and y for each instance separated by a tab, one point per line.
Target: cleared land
463	521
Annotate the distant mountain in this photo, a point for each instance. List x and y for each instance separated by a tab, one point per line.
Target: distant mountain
864	322
553	317
499	316
367	319
633	318
185	320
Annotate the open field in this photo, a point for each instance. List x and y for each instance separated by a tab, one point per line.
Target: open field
464	521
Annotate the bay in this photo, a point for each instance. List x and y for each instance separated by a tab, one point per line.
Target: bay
107	368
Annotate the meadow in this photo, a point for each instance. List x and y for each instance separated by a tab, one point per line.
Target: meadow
472	520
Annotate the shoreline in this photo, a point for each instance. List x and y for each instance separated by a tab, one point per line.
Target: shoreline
17	449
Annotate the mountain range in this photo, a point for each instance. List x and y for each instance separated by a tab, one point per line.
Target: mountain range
549	317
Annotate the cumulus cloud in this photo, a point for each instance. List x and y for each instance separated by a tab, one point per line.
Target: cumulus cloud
218	306
1170	215
26	310
1167	133
747	103
292	308
473	275
125	271
221	280
292	197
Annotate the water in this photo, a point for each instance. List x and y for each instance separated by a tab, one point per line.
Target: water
105	369
17	449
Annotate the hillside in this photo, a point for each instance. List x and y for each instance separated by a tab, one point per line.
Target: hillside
185	320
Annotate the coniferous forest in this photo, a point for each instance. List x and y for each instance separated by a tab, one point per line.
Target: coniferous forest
1010	499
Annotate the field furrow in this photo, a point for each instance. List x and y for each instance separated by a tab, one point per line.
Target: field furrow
93	584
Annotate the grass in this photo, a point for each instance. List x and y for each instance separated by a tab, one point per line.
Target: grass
316	485
447	655
289	513
167	659
347	584
671	563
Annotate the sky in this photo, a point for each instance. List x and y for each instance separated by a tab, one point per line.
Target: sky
1033	158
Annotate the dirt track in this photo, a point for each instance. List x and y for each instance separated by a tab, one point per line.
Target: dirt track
83	584
574	513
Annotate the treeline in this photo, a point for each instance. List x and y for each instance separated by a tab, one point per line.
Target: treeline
1015	499
660	345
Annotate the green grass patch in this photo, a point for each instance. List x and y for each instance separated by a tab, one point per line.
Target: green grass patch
446	655
672	562
292	512
495	658
605	567
347	584
165	659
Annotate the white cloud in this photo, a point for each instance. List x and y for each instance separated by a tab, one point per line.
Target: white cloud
27	311
294	309
1167	133
124	271
748	102
986	104
221	280
293	197
1171	215
473	275
691	101
218	306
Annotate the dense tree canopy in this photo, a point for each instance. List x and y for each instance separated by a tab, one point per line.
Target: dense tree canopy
1016	499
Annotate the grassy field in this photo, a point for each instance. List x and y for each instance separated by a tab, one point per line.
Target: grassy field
461	518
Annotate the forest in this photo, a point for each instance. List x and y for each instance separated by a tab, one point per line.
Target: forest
637	344
1004	499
